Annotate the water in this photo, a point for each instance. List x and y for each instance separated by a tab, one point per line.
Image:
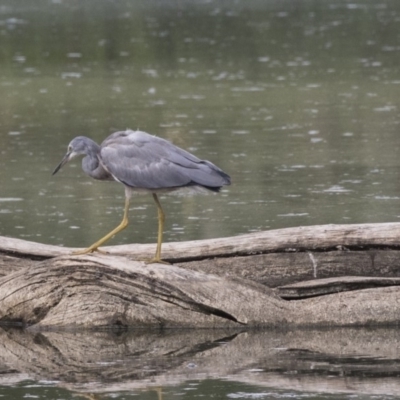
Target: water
296	100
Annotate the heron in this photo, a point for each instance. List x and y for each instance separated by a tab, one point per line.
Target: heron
143	163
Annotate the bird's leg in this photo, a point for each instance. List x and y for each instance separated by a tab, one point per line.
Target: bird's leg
119	228
161	219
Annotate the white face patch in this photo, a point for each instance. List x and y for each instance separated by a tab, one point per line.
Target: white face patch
73	155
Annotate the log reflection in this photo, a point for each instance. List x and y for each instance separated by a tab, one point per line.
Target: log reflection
338	360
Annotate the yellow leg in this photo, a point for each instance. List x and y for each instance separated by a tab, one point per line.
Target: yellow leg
119	228
161	219
159	393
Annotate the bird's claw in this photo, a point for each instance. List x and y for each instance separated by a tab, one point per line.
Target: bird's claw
89	250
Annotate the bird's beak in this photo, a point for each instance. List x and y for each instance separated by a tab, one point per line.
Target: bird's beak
66	158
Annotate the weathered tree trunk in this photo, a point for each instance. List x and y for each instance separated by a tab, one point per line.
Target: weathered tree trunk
213	283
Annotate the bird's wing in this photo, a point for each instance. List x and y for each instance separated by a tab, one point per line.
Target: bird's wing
140	160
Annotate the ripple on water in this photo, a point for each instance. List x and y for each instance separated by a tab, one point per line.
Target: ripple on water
8	199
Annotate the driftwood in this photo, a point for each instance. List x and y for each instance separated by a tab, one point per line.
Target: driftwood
319	287
222	283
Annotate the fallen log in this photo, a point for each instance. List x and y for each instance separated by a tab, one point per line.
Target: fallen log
219	283
319	287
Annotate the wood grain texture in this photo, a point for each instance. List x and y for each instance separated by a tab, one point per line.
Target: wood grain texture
220	283
321	237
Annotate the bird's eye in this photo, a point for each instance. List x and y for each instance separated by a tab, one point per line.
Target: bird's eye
69	149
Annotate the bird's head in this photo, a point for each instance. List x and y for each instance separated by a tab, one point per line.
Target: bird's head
77	147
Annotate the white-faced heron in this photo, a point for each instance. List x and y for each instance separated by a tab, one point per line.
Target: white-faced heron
146	163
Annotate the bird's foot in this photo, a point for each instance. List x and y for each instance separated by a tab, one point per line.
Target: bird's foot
156	260
89	250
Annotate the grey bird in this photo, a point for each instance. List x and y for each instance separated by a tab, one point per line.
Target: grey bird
144	163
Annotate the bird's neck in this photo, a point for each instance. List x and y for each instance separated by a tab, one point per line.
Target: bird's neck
90	163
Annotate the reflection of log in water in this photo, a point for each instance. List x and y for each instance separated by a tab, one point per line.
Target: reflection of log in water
208	289
333	361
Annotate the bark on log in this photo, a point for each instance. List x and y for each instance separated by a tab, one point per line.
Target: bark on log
45	287
319	287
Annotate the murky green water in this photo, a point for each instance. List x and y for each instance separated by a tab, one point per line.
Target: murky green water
296	100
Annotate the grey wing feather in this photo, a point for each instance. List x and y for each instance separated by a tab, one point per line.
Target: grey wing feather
140	160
